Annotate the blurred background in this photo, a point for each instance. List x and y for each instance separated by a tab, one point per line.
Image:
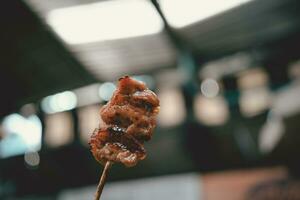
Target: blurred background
227	74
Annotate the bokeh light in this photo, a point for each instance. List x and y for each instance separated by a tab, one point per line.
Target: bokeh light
59	129
21	134
172	109
106	90
210	88
32	159
59	102
211	111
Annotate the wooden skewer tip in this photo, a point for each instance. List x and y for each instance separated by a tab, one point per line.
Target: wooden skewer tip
100	186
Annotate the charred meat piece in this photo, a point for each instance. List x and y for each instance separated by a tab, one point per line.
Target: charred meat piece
129	121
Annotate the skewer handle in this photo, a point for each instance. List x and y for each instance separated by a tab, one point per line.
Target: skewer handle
100	186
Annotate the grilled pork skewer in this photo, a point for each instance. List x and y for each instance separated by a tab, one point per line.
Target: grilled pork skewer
129	121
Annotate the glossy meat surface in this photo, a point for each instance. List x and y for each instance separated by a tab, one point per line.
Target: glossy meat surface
129	121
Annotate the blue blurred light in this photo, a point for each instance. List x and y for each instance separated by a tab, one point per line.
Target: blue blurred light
106	90
21	135
59	102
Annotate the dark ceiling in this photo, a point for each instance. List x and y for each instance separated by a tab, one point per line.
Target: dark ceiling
34	63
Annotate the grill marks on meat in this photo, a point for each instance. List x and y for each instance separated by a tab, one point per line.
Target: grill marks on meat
129	119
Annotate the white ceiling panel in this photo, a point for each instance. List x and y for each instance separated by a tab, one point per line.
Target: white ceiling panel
110	59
